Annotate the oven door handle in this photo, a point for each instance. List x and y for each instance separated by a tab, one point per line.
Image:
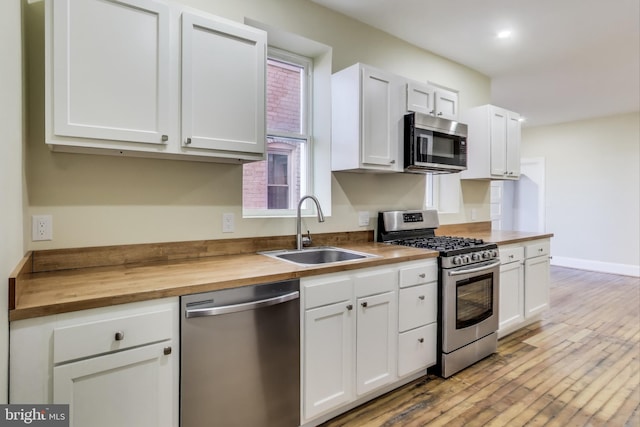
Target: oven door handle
474	270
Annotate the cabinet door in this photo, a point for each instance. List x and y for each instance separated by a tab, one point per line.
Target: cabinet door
420	98
328	357
129	388
498	128
511	295
536	279
446	104
110	70
223	85
376	337
417	349
513	145
381	117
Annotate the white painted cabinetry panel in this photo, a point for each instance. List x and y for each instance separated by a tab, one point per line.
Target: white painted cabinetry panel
223	85
110	69
375	342
152	78
108	379
129	388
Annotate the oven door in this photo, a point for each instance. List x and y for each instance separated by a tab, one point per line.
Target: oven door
470	303
437	149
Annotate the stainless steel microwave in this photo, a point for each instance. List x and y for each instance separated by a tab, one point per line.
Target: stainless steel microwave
433	144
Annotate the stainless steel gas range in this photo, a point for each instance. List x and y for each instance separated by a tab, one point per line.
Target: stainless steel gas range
468	286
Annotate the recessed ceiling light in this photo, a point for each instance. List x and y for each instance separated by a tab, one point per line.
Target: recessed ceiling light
504	34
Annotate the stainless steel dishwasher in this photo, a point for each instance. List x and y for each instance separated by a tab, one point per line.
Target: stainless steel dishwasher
240	357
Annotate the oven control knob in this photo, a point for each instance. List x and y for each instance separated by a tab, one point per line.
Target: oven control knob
457	260
494	253
475	256
466	259
486	255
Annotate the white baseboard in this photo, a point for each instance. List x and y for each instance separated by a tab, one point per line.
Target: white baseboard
603	267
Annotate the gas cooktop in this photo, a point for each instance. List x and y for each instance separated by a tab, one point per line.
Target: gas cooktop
416	228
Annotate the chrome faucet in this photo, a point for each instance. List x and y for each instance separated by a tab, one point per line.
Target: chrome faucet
306	241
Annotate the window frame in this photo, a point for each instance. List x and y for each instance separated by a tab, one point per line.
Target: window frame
305	136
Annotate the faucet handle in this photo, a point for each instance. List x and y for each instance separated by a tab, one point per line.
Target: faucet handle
306	240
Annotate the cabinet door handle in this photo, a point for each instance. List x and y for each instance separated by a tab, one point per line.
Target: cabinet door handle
364	304
165	138
350	307
187	141
440	113
119	336
422	275
393	162
420	340
167	351
421	297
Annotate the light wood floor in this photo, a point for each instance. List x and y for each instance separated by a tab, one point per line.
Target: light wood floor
579	366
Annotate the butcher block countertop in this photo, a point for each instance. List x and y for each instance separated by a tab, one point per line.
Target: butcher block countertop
63	280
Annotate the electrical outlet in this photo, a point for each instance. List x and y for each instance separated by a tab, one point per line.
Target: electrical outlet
228	223
474	214
41	227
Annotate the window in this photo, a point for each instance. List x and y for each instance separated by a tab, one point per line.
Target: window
274	186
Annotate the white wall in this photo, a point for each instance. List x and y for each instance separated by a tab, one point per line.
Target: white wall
11	244
101	200
592	191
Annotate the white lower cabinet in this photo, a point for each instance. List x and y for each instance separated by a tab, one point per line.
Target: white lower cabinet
524	284
114	365
352	347
536	278
328	357
418	314
375	342
511	310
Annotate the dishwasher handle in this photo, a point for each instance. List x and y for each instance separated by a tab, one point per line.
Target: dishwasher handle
234	308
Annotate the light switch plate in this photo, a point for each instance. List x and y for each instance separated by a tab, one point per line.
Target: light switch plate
228	223
363	218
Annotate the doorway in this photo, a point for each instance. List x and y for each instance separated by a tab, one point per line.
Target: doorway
520	205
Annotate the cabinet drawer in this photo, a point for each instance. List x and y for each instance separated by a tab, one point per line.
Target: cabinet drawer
325	292
511	254
540	248
93	338
424	273
417	349
417	306
375	282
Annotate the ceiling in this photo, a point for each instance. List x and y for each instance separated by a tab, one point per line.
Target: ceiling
566	59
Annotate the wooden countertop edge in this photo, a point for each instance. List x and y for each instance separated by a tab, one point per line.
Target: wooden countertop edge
25	266
386	254
284	270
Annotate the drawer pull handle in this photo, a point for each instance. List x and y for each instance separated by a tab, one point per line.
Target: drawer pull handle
349	307
420	340
119	336
167	351
421	297
365	304
422	275
510	256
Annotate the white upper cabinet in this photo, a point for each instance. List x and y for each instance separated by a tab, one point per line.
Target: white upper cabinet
154	79
493	143
367	120
433	100
110	70
223	92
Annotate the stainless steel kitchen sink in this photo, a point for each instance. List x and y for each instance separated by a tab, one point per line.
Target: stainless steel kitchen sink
317	255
